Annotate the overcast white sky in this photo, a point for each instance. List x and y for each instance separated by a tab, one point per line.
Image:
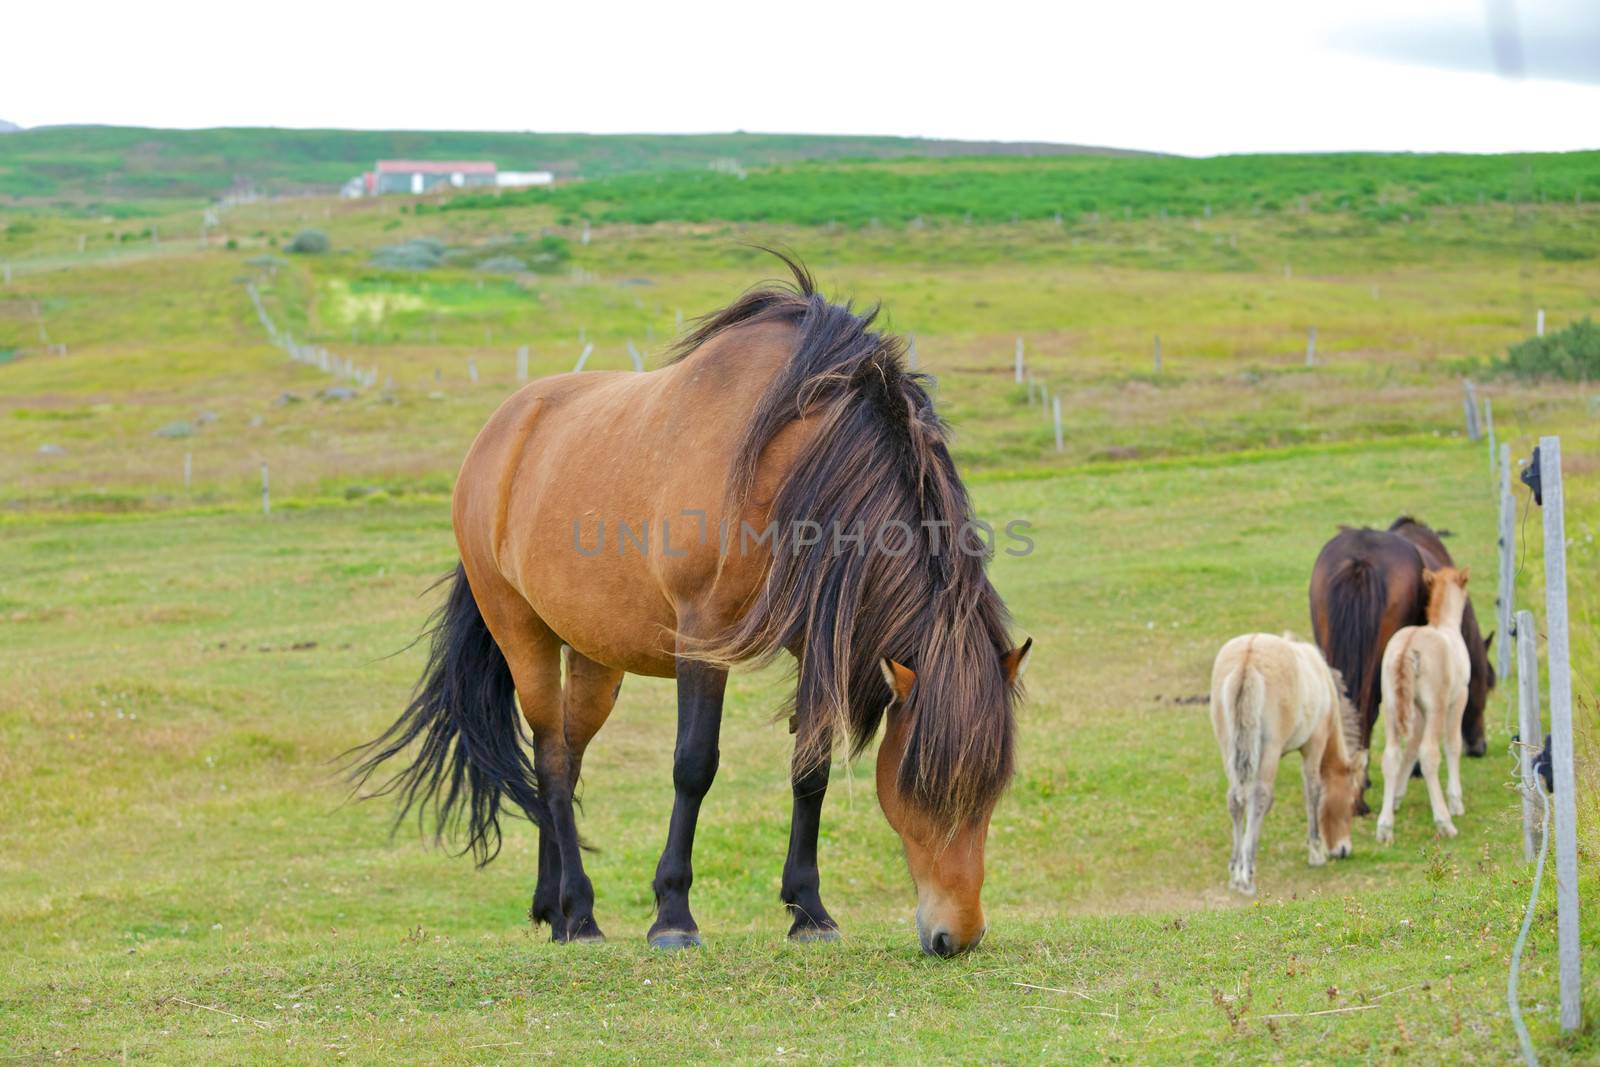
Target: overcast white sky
1199	78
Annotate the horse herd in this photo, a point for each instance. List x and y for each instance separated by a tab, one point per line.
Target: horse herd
787	488
1393	626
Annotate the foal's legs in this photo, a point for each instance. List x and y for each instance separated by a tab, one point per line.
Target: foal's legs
800	879
1452	754
1311	778
1238	807
1258	803
694	765
1399	753
1432	731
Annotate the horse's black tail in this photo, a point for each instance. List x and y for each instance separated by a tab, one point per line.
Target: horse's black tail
465	712
1356	599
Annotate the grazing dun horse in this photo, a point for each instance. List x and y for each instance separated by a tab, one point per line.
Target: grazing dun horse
1272	695
1425	675
782	485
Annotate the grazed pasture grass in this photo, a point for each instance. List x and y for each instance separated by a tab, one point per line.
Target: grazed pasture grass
183	880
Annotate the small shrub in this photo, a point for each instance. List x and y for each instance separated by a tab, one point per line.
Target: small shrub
232	245
423	253
551	253
309	242
503	265
1571	354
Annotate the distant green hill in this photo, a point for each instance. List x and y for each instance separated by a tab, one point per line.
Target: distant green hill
1380	187
88	163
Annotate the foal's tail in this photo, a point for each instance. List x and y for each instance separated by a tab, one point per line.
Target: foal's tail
1244	701
1407	678
464	710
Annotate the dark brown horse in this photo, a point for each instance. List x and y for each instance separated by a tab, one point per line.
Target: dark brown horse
1367	584
783	485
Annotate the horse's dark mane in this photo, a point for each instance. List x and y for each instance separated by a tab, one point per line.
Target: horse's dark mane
879	457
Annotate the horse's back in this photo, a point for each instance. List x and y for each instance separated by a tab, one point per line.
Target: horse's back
1293	703
597	495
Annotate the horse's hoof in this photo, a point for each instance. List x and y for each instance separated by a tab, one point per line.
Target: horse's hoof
1244	889
1446	829
1456	807
1385	833
586	932
808	934
672	939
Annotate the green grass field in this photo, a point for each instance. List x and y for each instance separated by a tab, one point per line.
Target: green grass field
182	878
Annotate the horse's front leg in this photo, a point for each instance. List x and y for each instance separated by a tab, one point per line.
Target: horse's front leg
800	878
694	765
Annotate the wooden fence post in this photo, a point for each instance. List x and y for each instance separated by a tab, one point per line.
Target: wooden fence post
472	370
188	469
1529	729
266	495
1558	653
1019	361
1469	402
1311	347
583	357
1506	601
1158	354
633	354
1539	324
1488	430
522	363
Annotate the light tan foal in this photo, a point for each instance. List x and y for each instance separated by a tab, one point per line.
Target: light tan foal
1271	695
1425	674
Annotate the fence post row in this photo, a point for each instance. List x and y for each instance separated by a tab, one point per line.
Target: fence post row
1558	652
1506	601
1469	402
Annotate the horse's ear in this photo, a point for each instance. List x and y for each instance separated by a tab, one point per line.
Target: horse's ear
1487	641
1016	661
899	678
1427	579
1461	578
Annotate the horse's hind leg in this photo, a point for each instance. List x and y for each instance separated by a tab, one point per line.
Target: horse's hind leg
1431	734
1452	755
1258	803
1238	809
800	891
533	653
588	693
